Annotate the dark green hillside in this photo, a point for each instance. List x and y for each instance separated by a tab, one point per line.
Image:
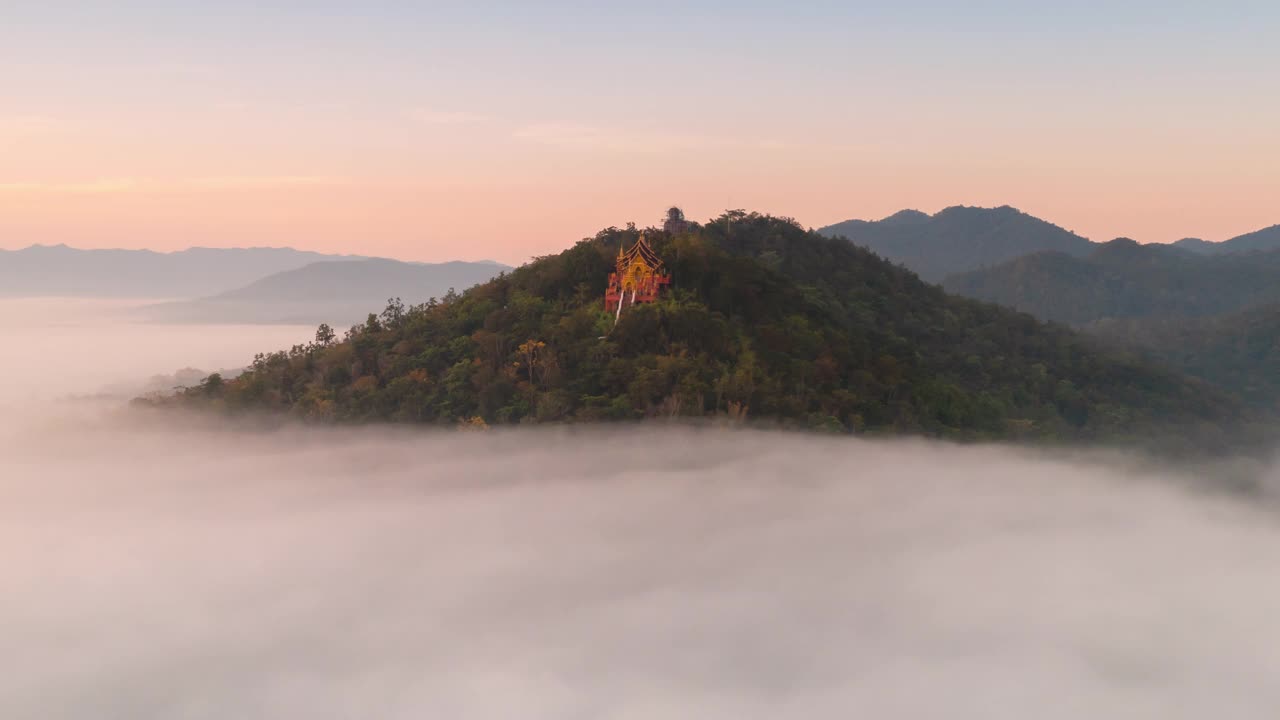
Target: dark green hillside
958	239
1239	352
1122	279
764	321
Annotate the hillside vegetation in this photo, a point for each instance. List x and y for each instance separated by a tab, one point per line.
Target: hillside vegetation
1123	279
765	321
1239	351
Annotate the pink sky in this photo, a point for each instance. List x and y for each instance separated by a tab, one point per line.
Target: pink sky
161	128
509	194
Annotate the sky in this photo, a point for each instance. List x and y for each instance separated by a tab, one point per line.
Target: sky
504	130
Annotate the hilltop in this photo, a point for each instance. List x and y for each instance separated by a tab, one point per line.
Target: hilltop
958	238
770	322
965	239
1259	240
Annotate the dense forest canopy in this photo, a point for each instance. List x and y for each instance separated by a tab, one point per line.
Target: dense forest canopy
765	321
1238	351
1213	316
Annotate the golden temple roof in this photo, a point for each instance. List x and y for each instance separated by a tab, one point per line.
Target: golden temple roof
640	250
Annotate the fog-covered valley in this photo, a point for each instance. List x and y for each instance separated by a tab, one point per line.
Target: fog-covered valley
63	348
162	567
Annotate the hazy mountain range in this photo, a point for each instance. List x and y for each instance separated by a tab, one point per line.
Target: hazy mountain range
1206	309
237	285
959	239
59	270
339	292
1265	239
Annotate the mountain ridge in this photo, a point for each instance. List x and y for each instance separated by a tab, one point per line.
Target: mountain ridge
53	270
337	291
1124	279
63	270
961	238
957	237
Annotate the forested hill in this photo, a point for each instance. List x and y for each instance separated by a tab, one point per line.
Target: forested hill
764	321
1238	351
1123	279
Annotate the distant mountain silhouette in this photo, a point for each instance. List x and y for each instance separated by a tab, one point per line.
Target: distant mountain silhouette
1259	240
958	239
339	292
1196	245
1265	239
58	270
1123	279
961	239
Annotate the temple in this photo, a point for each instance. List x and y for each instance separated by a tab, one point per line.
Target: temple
638	278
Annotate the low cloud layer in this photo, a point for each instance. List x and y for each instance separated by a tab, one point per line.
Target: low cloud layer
203	573
177	570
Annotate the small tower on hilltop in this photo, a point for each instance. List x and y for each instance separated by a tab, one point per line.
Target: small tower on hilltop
638	277
675	223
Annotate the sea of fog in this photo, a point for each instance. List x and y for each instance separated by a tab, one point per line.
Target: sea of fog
176	569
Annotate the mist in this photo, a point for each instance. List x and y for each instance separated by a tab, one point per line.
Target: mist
161	567
61	348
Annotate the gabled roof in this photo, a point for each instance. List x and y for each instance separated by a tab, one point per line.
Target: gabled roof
641	249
